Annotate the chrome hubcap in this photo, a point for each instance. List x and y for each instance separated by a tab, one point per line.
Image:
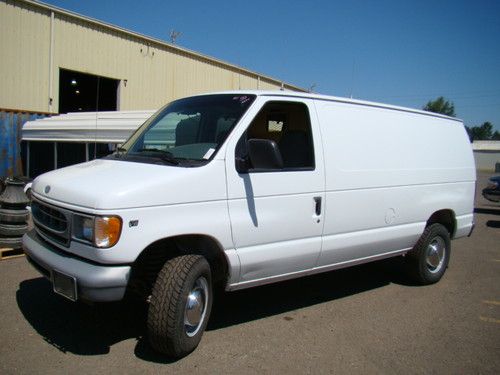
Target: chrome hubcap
435	254
196	307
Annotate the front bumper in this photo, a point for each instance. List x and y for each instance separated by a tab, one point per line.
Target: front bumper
95	283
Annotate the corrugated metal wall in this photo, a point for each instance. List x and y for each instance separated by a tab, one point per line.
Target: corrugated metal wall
10	139
38	40
24	62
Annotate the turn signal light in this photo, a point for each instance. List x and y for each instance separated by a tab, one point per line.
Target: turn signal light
107	231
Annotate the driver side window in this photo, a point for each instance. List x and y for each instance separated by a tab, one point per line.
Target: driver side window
288	125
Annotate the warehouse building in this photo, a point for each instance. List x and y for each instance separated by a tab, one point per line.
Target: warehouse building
487	155
56	61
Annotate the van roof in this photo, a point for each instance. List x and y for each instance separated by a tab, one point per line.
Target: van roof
295	94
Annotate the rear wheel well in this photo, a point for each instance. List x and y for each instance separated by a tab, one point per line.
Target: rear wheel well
446	218
149	263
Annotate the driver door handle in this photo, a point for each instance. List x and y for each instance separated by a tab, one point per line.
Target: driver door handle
317	201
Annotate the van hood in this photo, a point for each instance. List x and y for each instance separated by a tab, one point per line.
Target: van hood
114	184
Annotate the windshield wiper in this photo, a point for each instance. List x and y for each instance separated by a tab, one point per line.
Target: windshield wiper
161	154
118	152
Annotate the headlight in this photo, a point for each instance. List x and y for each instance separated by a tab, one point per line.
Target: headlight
100	231
107	230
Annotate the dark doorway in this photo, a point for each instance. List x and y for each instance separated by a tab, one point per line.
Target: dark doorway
41	157
81	92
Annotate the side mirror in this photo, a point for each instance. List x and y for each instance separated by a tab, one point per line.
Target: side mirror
242	164
264	154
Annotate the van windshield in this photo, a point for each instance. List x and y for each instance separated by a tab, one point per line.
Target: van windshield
187	131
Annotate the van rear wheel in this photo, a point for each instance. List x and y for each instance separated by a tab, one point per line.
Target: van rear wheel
180	305
428	260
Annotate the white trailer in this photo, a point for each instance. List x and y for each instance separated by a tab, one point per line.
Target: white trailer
65	139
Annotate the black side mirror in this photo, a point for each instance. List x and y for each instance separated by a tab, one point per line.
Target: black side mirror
264	154
242	164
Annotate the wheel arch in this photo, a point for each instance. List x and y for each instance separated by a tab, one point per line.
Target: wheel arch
150	261
446	218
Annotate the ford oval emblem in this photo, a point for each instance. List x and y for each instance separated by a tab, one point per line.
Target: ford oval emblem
47	189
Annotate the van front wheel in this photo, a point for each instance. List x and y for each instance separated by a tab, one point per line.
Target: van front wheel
429	258
180	305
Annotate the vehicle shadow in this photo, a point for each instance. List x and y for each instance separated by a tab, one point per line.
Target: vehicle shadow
91	330
257	303
75	327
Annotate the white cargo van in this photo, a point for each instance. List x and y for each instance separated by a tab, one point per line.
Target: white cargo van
243	189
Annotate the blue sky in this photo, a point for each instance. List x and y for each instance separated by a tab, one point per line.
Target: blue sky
398	52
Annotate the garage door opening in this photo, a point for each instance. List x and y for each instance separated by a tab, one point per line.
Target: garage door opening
78	92
81	92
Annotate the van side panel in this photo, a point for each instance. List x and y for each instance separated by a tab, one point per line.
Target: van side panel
369	147
387	172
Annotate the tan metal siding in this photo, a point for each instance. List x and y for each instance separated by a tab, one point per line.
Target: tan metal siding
105	53
154	74
24	62
266	85
151	72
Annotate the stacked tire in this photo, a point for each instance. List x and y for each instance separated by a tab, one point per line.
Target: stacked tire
13	213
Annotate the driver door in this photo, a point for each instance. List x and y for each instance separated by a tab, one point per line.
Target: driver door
277	214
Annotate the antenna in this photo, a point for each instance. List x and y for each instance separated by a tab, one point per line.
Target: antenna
174	35
312	87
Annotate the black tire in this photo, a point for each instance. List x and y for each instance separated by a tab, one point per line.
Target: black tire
28	194
11	242
167	331
13	216
13	230
429	258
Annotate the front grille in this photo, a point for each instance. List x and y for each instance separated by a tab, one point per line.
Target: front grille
51	222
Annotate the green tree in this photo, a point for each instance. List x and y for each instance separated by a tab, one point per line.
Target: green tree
440	105
483	132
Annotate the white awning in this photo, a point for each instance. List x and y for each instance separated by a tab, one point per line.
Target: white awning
101	127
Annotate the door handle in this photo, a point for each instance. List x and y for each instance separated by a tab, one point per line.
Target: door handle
317	201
